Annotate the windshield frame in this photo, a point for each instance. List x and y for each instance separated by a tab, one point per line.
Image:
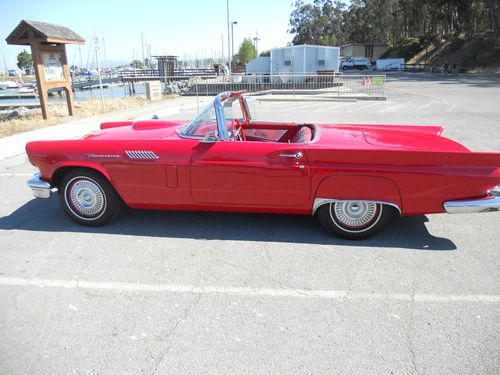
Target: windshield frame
221	133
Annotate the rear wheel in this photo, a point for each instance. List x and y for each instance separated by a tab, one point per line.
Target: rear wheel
354	219
88	198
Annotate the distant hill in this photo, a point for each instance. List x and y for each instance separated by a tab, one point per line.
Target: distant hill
481	52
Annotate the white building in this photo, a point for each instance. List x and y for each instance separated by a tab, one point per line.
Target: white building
303	59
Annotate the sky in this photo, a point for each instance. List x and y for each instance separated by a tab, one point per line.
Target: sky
185	28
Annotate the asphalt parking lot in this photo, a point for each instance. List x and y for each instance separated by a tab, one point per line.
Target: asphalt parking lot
190	292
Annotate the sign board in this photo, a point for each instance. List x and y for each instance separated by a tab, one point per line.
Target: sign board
153	90
50	63
53	66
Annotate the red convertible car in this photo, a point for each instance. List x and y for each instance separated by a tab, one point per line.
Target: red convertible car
354	177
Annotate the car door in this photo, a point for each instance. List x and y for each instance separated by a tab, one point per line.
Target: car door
250	173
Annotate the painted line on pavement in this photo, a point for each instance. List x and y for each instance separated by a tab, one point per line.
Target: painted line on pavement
394	107
362	107
16	174
424	106
240	291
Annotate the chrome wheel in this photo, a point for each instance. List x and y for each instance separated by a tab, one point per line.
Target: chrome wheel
85	198
354	216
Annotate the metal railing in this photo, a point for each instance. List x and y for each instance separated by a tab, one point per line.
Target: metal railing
326	85
154	74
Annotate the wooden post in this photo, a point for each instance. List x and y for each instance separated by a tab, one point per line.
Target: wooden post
40	78
69	100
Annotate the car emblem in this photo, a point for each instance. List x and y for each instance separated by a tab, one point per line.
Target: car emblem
102	155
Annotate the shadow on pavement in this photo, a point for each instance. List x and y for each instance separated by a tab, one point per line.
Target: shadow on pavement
47	216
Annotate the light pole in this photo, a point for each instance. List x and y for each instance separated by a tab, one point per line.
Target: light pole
232	39
96	46
255	44
228	42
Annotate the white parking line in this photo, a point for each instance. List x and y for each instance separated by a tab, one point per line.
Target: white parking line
240	291
424	106
362	107
394	107
16	174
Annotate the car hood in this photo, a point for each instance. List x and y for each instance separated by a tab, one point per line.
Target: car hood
389	137
149	129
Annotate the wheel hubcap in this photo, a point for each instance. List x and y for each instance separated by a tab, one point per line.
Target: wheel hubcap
354	215
86	197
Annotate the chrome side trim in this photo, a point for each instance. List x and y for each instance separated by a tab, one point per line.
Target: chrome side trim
318	202
141	155
40	188
490	203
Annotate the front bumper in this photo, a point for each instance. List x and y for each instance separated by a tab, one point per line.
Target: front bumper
488	204
40	188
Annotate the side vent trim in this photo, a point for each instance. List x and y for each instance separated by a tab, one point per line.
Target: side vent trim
141	155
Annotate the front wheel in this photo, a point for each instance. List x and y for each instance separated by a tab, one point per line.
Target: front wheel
354	219
88	198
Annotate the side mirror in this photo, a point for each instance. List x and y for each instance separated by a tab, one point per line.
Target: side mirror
209	138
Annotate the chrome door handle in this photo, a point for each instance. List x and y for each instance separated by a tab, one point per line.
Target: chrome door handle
296	155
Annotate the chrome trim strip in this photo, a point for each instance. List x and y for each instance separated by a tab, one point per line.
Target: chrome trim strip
318	202
40	188
489	204
102	155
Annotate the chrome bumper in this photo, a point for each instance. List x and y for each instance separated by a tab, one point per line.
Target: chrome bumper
40	188
488	204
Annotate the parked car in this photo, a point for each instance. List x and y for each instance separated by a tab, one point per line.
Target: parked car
361	63
354	177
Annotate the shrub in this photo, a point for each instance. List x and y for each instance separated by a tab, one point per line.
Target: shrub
456	44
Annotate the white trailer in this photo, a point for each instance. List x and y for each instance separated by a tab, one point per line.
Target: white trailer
390	64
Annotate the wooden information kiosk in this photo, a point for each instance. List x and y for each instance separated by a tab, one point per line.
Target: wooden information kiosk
48	51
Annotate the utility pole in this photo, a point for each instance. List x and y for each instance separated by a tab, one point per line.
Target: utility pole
80	52
228	37
104	53
142	45
96	43
222	49
255	43
232	38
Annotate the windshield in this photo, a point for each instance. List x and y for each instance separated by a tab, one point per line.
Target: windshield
204	123
226	109
232	110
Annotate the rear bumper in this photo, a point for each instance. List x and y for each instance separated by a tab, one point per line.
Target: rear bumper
490	203
40	188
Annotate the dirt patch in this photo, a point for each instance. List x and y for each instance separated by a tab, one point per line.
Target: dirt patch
58	114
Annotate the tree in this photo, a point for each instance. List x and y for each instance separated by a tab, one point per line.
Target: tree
136	64
319	23
493	12
24	60
247	51
265	53
331	22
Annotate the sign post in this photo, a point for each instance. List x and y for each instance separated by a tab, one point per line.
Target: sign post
48	52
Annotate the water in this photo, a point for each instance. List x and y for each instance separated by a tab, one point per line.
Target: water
111	92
